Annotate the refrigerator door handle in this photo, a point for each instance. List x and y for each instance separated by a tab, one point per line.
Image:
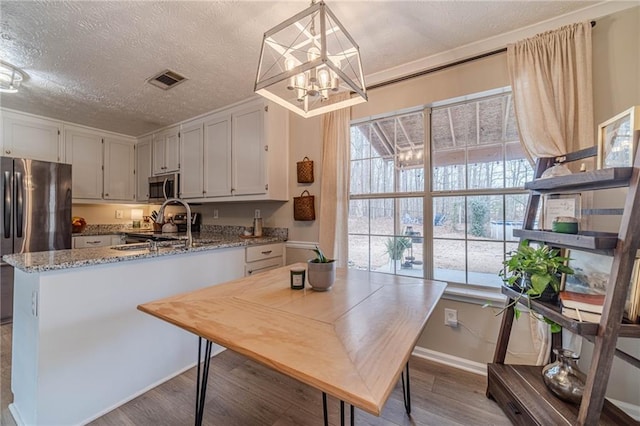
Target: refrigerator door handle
7	185
19	205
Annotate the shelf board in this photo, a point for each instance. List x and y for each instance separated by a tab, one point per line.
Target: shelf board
584	240
524	384
614	177
554	313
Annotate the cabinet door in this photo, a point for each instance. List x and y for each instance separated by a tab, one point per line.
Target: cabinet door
191	140
30	137
119	160
217	156
159	143
172	150
248	157
83	150
143	168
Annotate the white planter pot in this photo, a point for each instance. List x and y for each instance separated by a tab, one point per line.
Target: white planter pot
321	275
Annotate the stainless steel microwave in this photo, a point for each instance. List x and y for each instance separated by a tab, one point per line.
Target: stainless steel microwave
163	187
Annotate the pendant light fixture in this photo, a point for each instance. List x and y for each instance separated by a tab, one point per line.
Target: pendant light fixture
309	59
10	78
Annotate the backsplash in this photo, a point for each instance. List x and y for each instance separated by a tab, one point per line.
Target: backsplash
101	229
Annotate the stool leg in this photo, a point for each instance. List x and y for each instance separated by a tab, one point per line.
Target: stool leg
406	390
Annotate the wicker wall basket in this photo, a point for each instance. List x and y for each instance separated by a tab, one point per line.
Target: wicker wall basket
305	170
304	207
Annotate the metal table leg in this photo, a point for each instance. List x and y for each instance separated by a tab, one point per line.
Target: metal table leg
326	416
201	380
406	390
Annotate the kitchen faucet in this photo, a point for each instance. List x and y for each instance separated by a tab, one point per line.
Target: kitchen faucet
160	218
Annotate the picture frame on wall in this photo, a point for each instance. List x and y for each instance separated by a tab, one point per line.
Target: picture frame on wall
618	139
591	276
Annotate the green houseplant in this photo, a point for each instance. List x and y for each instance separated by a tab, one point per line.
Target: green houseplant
395	247
322	271
535	271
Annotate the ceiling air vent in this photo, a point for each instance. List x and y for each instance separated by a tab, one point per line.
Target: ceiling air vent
166	79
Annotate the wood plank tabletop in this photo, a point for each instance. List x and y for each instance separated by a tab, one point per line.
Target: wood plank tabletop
351	342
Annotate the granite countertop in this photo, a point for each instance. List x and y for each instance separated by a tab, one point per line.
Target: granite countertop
211	237
75	258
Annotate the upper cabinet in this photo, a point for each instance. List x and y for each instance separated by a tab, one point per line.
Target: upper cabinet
241	155
119	164
166	151
24	136
83	150
102	165
143	168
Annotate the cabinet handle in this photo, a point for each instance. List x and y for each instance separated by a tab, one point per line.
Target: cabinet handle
250	271
106	195
8	151
267	252
93	242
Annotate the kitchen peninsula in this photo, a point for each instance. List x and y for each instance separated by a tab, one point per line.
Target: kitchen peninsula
80	347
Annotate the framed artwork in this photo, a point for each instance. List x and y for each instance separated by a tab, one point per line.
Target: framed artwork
591	276
554	205
618	139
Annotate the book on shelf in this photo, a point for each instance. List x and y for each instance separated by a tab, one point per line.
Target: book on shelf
582	301
582	316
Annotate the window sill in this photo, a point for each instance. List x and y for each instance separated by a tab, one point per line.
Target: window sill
478	296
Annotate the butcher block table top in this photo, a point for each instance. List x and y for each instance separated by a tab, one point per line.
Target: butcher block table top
351	342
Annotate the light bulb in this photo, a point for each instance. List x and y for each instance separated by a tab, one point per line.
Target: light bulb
323	78
301	84
312	54
290	64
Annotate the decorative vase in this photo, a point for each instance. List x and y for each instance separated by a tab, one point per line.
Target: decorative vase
321	276
563	377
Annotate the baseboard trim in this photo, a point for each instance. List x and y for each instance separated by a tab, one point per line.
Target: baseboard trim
631	409
451	360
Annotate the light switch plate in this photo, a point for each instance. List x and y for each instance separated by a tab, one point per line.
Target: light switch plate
119	214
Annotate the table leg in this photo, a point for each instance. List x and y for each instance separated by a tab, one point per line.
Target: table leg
201	380
406	390
324	409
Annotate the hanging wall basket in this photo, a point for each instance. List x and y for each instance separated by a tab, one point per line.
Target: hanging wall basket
305	170
304	207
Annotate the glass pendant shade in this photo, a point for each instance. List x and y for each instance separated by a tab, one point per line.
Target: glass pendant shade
10	78
309	59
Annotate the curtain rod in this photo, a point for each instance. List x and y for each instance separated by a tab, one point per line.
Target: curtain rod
442	67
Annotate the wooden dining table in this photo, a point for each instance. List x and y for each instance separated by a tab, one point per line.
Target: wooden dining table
352	342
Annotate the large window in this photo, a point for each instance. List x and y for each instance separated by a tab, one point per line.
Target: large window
465	184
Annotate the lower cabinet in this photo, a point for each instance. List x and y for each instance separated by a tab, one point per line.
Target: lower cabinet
97	241
263	258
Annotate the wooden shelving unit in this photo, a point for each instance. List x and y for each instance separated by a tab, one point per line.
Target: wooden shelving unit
519	389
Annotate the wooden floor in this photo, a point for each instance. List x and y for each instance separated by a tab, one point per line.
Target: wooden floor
243	393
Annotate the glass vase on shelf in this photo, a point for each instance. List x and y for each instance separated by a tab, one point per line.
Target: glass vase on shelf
563	377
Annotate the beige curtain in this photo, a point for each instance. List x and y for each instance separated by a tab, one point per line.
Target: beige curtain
334	188
552	90
553	98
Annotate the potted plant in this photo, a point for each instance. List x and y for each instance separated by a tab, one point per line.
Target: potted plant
322	271
535	271
395	247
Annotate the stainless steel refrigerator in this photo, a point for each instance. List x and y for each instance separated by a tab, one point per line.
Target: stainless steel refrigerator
35	212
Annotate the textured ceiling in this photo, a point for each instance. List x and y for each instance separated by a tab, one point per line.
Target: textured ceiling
87	62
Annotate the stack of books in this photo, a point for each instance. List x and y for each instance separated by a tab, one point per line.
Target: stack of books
582	306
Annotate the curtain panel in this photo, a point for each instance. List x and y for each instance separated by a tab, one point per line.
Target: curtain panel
551	79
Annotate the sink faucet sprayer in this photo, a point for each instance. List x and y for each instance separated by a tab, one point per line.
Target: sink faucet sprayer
160	218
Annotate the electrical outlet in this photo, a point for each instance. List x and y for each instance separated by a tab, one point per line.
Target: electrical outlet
257	213
119	214
450	317
215	213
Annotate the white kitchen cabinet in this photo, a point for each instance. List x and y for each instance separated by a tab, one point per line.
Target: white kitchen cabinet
119	163
92	241
83	150
166	151
263	258
143	168
191	141
217	156
25	136
248	151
